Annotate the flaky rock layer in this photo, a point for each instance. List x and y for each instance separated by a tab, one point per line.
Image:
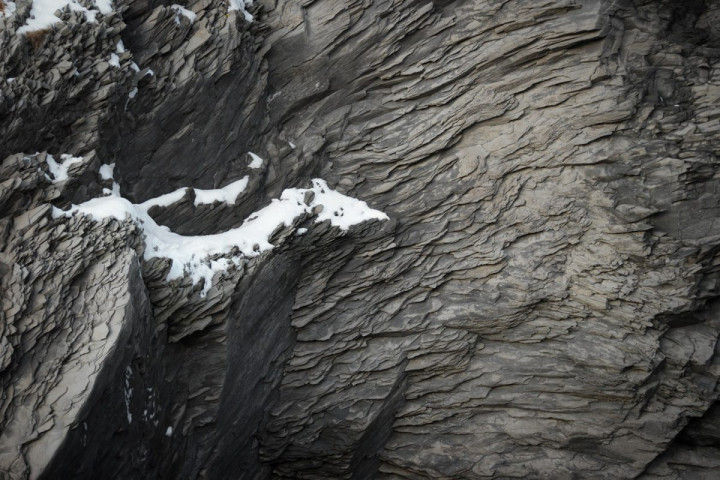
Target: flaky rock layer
541	303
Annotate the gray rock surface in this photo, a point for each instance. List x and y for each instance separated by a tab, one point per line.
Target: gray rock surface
542	303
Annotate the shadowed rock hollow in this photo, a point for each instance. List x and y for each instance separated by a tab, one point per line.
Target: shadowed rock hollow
541	302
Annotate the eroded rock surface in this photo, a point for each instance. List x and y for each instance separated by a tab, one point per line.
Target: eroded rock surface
541	303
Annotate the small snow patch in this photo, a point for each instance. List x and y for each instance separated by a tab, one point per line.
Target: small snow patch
227	194
342	211
120	48
104	6
106	171
114	60
168	432
164	200
180	10
10	8
42	13
115	191
241	5
59	171
257	162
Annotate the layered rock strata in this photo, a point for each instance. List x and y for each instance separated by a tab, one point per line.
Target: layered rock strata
541	302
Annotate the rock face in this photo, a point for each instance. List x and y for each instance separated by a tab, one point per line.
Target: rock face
541	303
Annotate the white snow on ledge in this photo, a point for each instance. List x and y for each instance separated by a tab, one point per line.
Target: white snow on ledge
227	194
190	255
59	171
256	163
106	171
180	10
164	200
242	6
10	8
42	13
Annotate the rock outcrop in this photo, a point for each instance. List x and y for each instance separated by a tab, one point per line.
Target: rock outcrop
540	302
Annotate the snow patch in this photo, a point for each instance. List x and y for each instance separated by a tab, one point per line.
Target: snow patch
104	6
241	5
164	200
227	194
168	432
120	48
257	162
180	10
10	8
106	171
114	60
59	171
196	256
115	191
89	14
342	211
42	13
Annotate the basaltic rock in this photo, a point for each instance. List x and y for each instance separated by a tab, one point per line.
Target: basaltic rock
510	272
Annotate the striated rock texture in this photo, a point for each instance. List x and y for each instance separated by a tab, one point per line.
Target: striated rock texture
542	302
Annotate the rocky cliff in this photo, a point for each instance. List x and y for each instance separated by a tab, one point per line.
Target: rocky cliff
506	268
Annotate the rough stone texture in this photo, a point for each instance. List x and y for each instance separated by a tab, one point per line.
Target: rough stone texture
542	303
72	296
